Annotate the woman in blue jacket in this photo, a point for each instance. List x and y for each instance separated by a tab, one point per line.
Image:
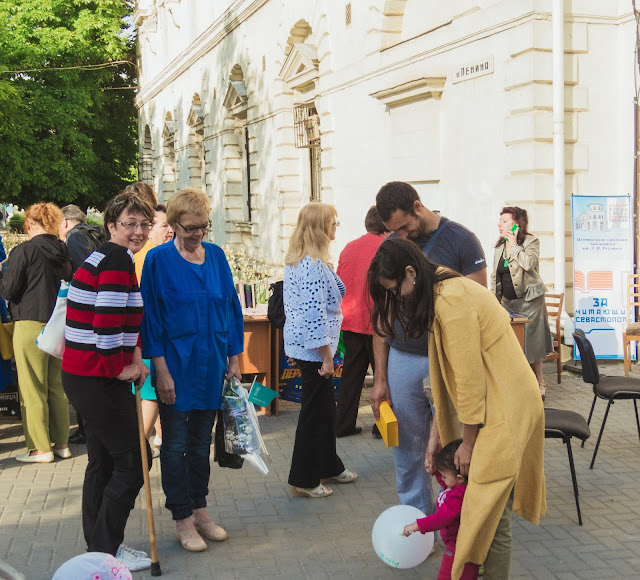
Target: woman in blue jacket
193	332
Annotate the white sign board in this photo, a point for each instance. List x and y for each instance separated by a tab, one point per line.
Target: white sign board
602	260
471	70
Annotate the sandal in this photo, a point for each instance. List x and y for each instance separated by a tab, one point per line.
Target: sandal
543	390
319	491
345	477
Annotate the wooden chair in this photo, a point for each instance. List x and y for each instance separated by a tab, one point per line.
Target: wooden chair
554	310
610	389
632	331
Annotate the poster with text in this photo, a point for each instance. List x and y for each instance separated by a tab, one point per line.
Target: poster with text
602	260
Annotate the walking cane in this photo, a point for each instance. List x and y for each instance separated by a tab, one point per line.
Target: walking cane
155	565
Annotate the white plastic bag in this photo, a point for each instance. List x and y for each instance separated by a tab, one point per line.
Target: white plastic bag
51	339
241	428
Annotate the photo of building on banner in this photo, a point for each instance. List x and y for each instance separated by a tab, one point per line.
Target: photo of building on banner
602	260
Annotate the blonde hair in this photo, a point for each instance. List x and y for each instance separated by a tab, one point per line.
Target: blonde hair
311	234
187	200
47	215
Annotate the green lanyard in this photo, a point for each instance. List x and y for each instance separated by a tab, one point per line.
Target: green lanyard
504	255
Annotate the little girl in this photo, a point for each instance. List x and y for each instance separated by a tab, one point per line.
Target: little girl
447	516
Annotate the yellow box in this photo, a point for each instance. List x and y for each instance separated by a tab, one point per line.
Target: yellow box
388	425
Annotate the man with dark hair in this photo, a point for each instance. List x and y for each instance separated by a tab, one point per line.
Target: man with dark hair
81	239
356	327
402	366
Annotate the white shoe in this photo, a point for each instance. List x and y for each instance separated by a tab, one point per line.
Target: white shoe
134	560
64	453
35	458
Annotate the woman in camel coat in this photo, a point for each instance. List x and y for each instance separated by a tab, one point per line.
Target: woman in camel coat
480	379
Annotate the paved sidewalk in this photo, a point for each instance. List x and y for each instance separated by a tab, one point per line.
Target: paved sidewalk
272	535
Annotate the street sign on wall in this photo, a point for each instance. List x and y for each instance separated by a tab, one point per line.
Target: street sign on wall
602	260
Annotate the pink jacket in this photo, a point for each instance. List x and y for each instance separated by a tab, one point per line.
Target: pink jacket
447	516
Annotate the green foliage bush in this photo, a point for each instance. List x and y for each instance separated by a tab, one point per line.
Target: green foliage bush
16	223
94	221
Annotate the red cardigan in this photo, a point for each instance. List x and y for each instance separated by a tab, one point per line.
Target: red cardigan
104	312
353	265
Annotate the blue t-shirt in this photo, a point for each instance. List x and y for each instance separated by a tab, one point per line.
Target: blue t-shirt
457	248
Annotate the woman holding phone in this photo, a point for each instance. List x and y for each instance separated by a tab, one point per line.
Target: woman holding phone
518	286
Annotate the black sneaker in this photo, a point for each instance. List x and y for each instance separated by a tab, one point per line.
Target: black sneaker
77	438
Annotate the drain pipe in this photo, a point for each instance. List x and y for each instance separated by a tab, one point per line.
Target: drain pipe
557	18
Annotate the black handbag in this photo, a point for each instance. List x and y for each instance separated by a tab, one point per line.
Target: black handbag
275	308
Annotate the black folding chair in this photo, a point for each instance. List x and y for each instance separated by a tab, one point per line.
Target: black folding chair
560	424
609	388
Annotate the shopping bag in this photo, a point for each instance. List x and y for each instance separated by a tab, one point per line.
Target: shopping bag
6	340
241	427
51	339
220	454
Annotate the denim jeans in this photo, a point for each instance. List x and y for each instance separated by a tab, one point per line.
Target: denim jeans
184	458
405	376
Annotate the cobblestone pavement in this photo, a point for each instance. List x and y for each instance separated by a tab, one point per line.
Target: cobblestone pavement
272	535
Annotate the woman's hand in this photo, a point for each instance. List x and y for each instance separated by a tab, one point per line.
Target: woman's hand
410	529
511	238
462	458
165	387
234	368
433	447
326	370
129	373
144	369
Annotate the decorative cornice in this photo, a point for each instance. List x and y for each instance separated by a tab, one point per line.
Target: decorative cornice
415	90
209	39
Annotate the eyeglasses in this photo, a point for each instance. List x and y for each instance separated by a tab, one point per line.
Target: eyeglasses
132	226
193	229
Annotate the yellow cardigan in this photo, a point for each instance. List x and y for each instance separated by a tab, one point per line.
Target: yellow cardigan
479	375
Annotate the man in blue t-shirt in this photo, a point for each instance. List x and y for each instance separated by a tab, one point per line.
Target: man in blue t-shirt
403	365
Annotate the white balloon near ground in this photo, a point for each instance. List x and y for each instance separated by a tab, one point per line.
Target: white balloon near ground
391	546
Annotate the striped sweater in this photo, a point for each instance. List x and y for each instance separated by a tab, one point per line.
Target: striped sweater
104	312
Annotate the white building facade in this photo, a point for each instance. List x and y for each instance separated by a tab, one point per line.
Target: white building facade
267	104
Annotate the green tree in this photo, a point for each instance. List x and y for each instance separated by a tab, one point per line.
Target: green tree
67	124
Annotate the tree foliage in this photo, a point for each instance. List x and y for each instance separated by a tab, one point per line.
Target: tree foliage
67	133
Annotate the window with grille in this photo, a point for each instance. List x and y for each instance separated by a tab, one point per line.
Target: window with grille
306	124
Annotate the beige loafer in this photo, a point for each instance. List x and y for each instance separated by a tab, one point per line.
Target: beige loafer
35	458
212	531
64	453
191	541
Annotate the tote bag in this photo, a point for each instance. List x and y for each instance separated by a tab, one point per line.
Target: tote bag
51	339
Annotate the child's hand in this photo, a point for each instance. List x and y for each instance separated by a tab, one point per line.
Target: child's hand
410	529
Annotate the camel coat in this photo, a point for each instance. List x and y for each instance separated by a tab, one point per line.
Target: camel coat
479	375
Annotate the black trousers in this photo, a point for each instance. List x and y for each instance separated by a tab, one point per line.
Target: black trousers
114	474
314	451
358	355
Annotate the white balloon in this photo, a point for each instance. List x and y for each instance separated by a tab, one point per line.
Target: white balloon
392	547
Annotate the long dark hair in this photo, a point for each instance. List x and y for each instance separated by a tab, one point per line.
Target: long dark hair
519	216
415	313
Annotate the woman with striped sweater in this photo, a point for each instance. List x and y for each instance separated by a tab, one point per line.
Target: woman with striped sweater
102	358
